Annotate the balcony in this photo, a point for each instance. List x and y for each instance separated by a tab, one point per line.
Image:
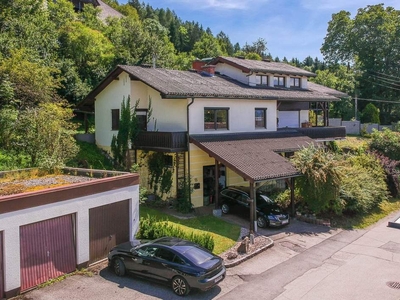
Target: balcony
324	133
162	141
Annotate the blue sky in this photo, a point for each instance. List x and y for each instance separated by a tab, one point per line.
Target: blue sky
292	28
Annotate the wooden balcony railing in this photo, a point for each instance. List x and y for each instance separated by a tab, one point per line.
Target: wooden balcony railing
161	141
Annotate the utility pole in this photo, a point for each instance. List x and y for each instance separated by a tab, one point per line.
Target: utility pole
355	107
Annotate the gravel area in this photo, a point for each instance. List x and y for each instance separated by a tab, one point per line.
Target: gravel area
9	187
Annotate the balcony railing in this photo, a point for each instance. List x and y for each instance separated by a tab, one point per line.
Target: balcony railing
324	133
161	141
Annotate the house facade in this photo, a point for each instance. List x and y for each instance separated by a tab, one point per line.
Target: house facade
226	122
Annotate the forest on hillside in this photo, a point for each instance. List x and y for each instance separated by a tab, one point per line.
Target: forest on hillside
49	52
51	57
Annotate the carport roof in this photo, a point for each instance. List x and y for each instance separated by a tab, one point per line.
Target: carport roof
254	156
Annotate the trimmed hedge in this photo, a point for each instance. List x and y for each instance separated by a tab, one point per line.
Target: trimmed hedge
152	228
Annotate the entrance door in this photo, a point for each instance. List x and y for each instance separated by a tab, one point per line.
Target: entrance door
209	183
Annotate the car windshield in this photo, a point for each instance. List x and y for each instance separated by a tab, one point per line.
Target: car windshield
197	255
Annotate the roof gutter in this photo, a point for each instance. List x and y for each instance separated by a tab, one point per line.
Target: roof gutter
188	143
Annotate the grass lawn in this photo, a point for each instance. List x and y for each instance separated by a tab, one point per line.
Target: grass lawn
363	221
225	234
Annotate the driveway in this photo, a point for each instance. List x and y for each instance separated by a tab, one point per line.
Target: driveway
289	241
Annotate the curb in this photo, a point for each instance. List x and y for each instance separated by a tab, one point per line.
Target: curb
244	258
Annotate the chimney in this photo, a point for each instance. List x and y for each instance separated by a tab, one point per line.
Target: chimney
209	69
197	65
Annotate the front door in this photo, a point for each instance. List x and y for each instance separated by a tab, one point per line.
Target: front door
209	183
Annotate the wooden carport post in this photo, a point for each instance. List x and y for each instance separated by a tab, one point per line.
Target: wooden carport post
216	198
252	208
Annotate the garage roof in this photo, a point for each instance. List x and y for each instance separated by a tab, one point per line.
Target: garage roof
254	156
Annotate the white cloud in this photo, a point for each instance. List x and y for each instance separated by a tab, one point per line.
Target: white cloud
222	4
338	5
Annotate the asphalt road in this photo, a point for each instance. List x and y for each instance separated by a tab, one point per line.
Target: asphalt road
307	262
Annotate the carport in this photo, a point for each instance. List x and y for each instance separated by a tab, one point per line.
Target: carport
257	157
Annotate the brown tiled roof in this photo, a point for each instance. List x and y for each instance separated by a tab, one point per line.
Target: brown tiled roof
323	89
253	155
186	84
249	65
174	83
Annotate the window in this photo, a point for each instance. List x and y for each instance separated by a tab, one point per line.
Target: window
260	118
114	119
261	80
294	82
216	118
168	160
141	117
279	81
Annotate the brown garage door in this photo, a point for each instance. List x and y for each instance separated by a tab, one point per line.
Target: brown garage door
47	250
108	226
1	267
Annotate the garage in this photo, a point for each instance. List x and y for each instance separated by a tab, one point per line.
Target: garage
1	267
289	119
47	250
108	226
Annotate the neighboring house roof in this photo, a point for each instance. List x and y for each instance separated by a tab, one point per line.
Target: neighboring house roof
326	90
253	155
107	11
262	66
186	84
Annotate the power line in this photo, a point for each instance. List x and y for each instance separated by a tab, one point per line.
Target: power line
386	80
398	78
376	100
386	86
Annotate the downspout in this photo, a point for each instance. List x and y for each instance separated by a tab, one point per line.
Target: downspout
188	143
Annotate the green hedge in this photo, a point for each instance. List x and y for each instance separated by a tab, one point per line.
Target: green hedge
152	228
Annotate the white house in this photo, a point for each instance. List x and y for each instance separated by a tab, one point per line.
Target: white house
230	118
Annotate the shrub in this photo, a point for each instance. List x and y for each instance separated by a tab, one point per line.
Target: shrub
319	185
386	142
370	114
182	203
362	184
151	228
392	170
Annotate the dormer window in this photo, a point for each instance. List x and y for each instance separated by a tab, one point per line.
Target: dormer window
279	81
294	82
261	79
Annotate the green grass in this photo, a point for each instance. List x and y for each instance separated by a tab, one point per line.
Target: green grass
225	234
363	221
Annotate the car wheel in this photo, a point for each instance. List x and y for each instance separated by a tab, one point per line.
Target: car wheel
180	286
119	267
225	208
261	222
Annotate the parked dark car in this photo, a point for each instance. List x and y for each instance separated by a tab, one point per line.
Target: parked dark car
268	212
180	263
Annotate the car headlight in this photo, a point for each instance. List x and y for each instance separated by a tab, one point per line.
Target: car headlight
200	274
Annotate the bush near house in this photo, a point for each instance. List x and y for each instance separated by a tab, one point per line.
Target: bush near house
152	228
349	183
386	142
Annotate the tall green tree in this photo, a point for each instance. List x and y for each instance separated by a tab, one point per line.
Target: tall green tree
371	43
45	133
208	46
